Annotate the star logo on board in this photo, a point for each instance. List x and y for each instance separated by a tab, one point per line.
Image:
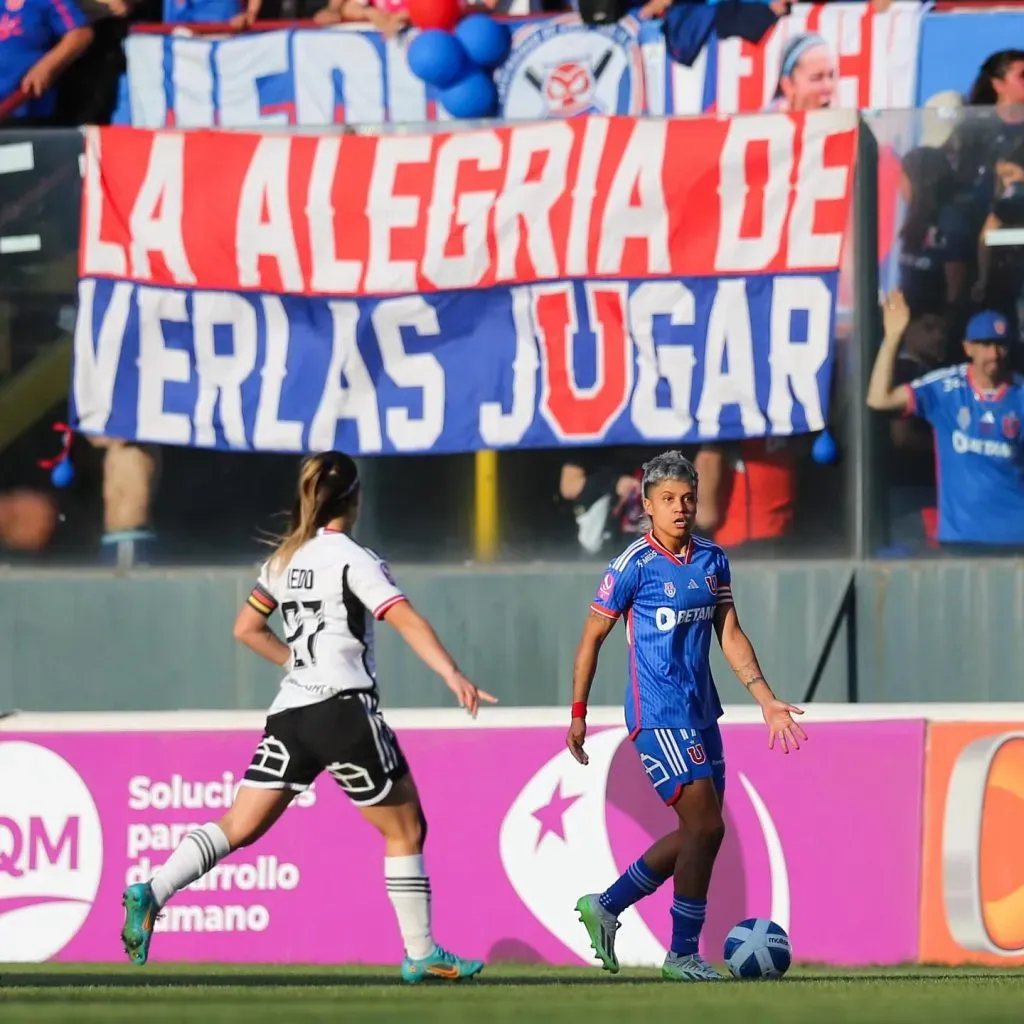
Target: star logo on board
551	815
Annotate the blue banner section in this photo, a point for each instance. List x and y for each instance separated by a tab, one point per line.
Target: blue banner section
954	45
607	362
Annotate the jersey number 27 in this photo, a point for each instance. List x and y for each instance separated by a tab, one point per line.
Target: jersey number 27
303	623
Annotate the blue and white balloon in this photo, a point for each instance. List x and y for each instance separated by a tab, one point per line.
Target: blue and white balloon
758	949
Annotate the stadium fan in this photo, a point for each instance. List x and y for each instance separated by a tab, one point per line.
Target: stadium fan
328	589
606	505
975	411
674	589
748	493
38	40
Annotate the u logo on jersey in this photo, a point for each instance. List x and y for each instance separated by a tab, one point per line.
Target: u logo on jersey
696	752
1011	426
712	582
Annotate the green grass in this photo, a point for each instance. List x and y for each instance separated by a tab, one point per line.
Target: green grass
525	995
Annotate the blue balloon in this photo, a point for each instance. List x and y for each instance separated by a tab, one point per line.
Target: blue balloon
485	40
824	450
63	474
473	96
438	58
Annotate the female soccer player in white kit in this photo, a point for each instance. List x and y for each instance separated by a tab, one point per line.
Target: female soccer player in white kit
325	718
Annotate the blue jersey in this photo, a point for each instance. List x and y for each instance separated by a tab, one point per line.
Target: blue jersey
29	29
980	455
670	603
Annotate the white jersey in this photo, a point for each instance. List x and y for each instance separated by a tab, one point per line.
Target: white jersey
329	593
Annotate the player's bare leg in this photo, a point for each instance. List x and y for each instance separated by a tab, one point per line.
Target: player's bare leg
701	830
253	812
399	819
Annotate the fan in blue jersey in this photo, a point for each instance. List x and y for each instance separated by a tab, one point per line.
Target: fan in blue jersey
674	591
975	411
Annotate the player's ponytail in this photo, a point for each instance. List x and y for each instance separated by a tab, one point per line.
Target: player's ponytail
328	488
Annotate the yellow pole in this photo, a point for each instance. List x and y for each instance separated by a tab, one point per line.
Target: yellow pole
486	533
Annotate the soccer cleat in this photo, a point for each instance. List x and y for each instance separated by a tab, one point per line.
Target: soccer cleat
601	926
440	966
688	968
140	912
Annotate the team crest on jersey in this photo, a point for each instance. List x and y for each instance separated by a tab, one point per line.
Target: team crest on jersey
696	752
712	582
670	589
963	417
1011	426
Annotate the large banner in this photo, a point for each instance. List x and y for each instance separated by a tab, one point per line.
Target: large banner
557	68
818	842
973	883
584	281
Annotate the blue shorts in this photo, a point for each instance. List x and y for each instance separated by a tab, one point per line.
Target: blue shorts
673	758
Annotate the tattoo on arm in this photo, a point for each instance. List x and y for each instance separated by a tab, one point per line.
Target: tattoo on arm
749	673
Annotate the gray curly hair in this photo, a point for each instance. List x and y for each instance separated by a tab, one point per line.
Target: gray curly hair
670	465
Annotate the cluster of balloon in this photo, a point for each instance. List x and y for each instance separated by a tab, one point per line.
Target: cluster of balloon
62	470
457	55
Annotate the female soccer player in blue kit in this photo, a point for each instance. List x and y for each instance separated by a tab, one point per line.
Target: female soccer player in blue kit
673	588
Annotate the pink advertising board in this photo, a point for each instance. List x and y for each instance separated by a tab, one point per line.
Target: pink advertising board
817	840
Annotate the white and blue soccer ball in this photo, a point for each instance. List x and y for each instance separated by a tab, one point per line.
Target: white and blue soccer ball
758	949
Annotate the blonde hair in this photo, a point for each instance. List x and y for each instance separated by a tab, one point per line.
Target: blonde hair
328	489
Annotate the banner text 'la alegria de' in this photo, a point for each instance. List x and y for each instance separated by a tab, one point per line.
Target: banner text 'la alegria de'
594	280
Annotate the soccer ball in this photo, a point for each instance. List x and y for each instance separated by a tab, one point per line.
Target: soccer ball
758	948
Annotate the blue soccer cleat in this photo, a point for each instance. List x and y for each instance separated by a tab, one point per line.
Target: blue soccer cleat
440	966
140	911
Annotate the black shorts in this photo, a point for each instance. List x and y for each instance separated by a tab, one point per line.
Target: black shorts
345	736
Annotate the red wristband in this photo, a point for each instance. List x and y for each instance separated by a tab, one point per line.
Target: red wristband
579	709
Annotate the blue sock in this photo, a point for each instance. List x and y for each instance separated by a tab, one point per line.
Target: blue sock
687	921
636	882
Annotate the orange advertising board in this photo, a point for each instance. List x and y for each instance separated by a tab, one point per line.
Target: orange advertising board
972	887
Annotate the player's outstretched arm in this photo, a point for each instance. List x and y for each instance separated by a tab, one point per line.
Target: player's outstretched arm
739	652
252	630
595	630
420	636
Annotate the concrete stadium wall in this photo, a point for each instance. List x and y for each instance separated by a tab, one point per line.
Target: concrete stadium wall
161	640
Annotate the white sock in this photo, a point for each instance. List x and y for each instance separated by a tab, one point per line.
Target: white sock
197	853
409	892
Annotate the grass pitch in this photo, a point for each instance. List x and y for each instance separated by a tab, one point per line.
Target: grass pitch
525	995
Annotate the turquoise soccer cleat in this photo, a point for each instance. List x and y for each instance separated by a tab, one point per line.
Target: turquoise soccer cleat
440	966
140	911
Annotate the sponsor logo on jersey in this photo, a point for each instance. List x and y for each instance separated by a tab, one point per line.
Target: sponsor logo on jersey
668	618
964	445
563	68
607	586
51	853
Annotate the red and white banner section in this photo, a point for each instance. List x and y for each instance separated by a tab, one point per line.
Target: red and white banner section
587	281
